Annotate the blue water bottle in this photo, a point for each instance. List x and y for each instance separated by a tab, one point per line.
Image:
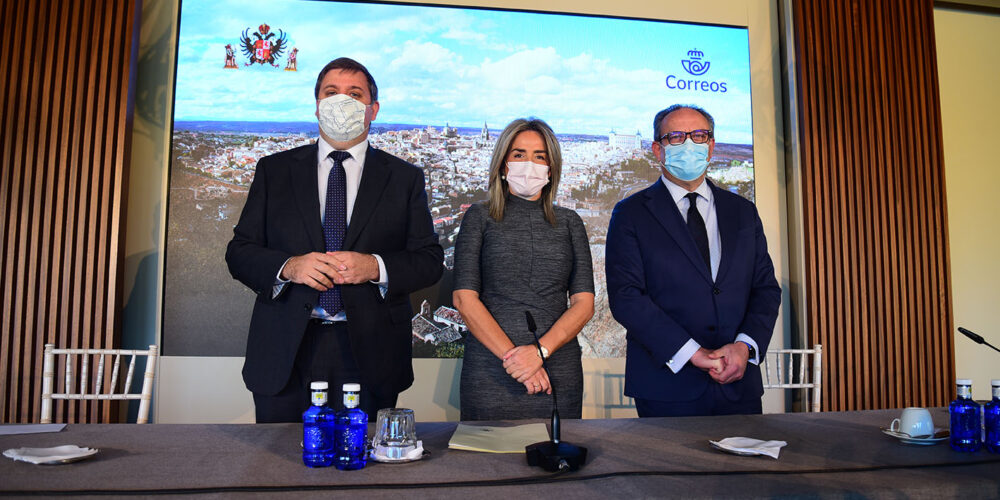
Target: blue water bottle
965	428
992	417
317	428
350	446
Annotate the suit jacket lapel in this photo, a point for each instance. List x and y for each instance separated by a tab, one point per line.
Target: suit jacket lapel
727	215
304	179
664	210
373	180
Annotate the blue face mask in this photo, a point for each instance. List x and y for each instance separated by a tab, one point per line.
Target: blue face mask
686	161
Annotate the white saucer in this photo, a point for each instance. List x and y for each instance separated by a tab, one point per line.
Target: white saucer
50	456
413	454
940	434
387	460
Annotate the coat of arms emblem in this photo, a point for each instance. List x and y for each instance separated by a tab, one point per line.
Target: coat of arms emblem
263	46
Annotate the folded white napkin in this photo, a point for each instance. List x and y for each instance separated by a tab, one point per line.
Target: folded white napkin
750	446
7	429
56	455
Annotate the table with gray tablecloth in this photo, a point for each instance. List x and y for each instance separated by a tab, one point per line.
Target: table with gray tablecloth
828	454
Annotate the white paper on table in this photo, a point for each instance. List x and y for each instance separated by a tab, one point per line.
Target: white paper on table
750	446
492	439
8	429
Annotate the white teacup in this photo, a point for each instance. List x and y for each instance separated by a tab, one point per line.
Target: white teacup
916	422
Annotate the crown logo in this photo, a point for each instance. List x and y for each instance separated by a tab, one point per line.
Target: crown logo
695	54
264	28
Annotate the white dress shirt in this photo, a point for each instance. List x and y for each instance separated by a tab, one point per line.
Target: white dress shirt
706	207
353	167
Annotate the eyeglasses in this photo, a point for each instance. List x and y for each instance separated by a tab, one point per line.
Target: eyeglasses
676	137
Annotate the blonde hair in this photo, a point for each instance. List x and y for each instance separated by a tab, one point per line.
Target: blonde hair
498	188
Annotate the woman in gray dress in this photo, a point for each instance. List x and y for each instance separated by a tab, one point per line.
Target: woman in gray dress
520	252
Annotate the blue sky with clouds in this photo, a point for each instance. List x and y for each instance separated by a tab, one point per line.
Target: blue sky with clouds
433	65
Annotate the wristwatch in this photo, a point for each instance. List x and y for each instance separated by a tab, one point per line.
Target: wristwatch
543	351
751	352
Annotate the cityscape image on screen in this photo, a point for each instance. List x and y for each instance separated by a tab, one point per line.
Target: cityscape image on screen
449	80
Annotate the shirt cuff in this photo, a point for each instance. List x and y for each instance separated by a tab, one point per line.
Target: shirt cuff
746	338
279	284
683	355
383	276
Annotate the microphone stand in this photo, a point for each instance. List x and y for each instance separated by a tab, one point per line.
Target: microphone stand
974	336
554	455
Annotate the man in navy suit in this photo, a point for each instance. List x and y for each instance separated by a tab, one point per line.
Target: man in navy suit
690	279
333	238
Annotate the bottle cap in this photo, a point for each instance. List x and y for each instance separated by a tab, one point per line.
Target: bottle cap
352	387
319	386
995	382
964	381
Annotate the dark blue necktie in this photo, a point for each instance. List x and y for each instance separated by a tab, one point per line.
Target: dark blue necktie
697	227
335	224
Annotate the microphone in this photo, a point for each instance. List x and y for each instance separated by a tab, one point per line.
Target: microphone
555	405
554	455
972	335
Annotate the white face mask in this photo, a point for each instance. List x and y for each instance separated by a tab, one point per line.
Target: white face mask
526	179
342	118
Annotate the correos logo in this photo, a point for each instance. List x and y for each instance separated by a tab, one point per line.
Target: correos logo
695	66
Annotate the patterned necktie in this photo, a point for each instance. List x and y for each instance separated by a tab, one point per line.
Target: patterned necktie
697	227
335	224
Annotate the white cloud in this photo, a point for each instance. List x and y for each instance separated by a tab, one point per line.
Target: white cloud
464	35
543	84
425	56
520	66
581	93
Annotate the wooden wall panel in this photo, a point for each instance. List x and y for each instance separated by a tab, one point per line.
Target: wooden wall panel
64	140
877	287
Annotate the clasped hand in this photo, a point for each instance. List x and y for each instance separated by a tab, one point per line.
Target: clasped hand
524	365
321	271
725	364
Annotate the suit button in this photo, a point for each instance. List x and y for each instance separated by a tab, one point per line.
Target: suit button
711	328
308	307
716	291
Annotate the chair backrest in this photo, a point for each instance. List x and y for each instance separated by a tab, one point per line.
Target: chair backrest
795	369
100	387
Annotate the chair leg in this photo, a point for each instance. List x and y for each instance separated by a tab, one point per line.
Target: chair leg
147	387
817	377
48	374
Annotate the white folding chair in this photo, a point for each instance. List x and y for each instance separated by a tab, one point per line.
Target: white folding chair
787	369
96	389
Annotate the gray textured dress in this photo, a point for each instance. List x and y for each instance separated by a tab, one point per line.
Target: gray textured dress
521	264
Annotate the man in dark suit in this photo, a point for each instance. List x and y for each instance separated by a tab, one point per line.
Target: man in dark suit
333	238
690	279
